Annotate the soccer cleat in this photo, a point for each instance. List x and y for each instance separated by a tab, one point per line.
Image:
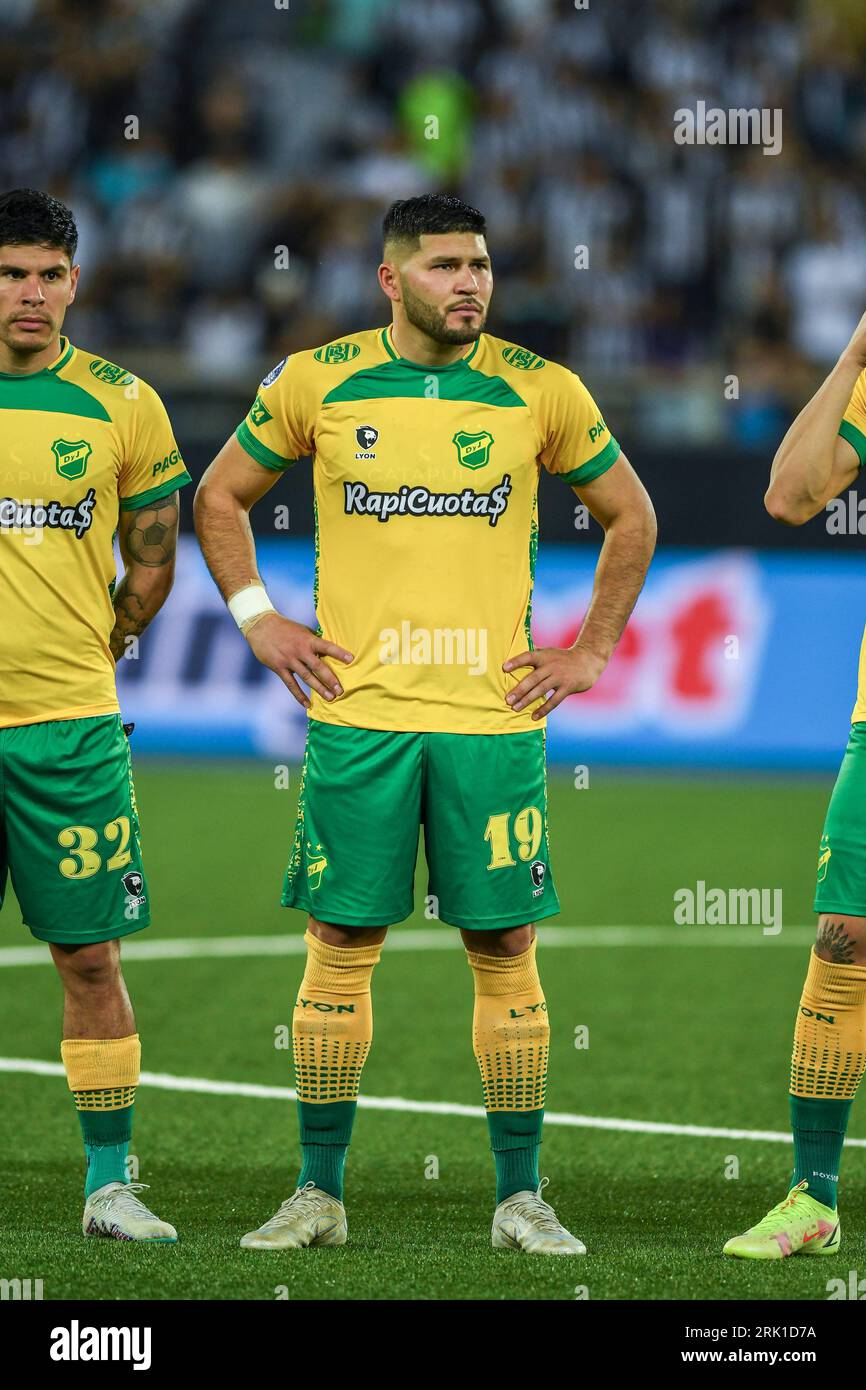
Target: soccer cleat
116	1212
801	1225
525	1222
309	1217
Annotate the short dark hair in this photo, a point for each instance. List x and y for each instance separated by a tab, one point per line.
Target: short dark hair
31	218
409	219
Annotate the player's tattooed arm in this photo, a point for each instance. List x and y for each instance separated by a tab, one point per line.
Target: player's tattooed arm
834	943
148	545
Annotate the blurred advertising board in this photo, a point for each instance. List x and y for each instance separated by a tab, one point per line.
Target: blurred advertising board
732	658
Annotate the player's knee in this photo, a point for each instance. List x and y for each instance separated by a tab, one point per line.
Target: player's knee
507	941
89	967
841	938
333	935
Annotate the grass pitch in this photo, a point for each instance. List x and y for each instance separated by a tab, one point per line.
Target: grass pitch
681	1032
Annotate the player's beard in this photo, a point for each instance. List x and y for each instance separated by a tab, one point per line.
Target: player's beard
24	344
432	320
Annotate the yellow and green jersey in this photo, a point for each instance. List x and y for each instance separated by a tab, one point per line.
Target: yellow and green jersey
853	429
82	439
425	492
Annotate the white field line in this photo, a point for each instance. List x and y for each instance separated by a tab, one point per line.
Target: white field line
441	938
249	1090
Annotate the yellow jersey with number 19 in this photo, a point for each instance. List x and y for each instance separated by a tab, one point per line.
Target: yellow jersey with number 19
425	488
82	439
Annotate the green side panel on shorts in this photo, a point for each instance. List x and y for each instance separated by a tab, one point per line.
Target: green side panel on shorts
356	836
363	797
72	778
533	557
841	878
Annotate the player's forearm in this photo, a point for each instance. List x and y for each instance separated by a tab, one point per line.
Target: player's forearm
137	599
222	525
148	547
801	478
623	562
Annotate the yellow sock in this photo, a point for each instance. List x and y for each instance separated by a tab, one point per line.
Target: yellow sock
103	1074
332	1028
829	1055
511	1039
827	1063
510	1030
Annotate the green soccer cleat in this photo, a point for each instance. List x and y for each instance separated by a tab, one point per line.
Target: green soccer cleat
525	1222
801	1225
309	1217
115	1211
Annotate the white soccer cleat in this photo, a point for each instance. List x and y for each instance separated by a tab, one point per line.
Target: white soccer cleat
525	1222
309	1217
116	1212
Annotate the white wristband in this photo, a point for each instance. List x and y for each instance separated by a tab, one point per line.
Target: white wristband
248	603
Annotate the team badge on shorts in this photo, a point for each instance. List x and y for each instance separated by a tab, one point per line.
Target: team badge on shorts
134	884
824	854
317	863
537	870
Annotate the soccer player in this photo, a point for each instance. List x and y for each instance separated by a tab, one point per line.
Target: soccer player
427	700
87	451
820	456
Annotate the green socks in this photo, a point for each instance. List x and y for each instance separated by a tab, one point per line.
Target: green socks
326	1131
515	1138
106	1134
819	1132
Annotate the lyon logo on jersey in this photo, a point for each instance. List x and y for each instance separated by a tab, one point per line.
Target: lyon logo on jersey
366	436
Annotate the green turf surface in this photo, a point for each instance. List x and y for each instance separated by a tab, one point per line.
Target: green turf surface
679	1033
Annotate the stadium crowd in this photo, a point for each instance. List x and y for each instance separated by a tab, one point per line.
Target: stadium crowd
229	163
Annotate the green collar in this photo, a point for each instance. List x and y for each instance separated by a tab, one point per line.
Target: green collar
420	366
66	351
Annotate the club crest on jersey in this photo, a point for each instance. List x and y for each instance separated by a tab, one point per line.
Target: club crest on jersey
366	436
537	870
524	359
336	352
473	450
110	372
70	459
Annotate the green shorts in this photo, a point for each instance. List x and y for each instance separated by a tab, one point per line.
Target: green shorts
482	799
841	885
69	833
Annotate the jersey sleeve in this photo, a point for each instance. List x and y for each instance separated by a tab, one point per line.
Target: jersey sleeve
279	427
152	466
853	426
578	445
